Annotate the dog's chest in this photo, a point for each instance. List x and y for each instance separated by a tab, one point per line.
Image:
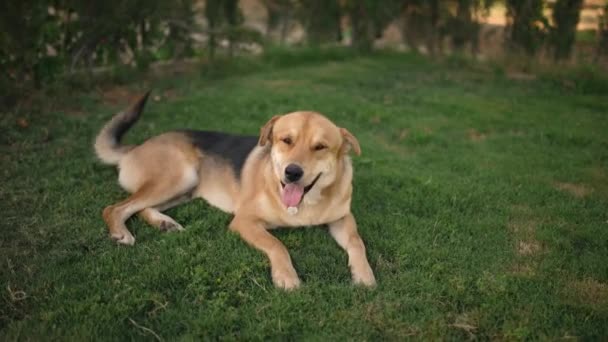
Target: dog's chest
308	215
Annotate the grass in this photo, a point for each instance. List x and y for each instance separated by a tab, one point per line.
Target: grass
482	200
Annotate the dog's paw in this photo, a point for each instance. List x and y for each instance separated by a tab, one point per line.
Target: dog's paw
285	278
364	277
124	238
170	226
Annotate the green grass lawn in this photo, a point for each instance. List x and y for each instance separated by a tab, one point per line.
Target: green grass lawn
483	202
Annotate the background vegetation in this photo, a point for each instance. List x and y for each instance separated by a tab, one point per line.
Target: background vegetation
41	40
481	192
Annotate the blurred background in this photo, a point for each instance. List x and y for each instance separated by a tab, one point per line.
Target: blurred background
45	40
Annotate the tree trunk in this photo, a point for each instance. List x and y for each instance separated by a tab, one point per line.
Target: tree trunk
602	47
524	33
285	18
231	13
432	37
212	9
566	15
362	30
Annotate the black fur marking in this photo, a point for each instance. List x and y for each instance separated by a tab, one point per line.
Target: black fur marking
129	118
233	148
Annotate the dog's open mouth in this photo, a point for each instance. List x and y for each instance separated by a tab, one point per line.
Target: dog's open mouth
292	193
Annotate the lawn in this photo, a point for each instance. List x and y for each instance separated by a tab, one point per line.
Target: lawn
482	199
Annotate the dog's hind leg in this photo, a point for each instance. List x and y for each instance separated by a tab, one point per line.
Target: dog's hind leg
149	195
156	218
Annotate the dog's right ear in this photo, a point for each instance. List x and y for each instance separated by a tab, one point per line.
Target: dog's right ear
266	131
350	142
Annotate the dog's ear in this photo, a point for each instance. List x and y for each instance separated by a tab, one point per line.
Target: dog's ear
350	142
266	131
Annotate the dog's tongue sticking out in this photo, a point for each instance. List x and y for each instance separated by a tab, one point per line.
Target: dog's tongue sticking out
292	194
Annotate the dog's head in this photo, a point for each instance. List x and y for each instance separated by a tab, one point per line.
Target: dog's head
306	148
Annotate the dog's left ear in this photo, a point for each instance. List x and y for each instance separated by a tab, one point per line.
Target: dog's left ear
266	131
350	142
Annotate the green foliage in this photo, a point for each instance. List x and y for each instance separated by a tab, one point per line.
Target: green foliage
25	31
41	39
528	26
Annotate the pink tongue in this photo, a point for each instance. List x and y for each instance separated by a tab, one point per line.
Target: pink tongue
292	194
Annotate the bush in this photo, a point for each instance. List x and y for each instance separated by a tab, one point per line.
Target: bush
39	37
583	79
42	39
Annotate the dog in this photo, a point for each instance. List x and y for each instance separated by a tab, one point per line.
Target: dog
298	172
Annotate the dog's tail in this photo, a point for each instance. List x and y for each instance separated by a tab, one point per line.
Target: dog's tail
107	143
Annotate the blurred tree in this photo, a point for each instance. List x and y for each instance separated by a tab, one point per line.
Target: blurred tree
213	10
224	20
179	17
566	14
430	22
80	31
459	25
25	30
40	39
464	27
602	47
433	42
321	19
369	18
280	13
527	27
419	23
106	28
233	19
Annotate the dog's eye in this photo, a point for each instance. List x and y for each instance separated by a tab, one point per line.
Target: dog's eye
287	140
319	147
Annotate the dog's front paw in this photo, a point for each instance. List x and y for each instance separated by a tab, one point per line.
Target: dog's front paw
364	276
124	238
285	278
170	226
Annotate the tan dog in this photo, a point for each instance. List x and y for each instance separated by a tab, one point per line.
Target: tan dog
297	173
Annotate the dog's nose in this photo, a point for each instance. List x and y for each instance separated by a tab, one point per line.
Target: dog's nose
293	172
